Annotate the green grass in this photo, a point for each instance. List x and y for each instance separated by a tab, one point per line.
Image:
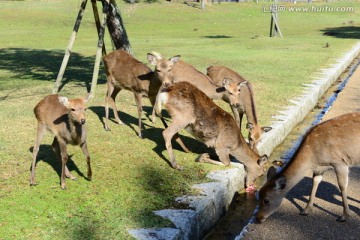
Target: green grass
131	179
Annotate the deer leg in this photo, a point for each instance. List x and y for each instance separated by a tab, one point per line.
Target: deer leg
237	116
223	155
56	148
168	134
342	173
205	158
110	97
41	130
316	181
140	110
86	153
64	158
176	137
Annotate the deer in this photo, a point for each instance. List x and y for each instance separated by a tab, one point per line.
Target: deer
65	119
227	89
246	99
328	145
123	71
191	109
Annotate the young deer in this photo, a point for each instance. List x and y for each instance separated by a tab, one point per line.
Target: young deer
65	118
328	145
191	109
123	71
246	99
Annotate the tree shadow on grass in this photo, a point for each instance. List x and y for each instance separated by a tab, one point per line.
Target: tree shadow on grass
40	64
342	32
47	155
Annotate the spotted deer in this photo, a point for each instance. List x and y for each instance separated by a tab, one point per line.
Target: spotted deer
123	71
65	119
193	110
246	102
328	145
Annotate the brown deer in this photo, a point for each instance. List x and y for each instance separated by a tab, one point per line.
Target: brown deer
246	100
65	118
181	71
123	71
328	145
191	109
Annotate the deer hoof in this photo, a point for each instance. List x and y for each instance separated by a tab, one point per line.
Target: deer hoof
33	183
304	213
203	158
341	219
180	168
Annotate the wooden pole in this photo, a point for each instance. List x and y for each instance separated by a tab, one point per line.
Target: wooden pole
99	48
97	21
277	28
69	47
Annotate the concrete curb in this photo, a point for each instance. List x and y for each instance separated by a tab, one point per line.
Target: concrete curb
205	210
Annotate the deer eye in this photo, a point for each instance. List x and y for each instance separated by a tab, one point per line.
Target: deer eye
73	109
266	201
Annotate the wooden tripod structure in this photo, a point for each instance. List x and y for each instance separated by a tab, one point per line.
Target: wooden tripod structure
101	51
274	23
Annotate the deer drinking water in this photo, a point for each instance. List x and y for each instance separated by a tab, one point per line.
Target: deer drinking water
65	118
191	109
123	71
246	102
328	145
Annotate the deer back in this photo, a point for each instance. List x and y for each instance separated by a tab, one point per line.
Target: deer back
125	71
206	120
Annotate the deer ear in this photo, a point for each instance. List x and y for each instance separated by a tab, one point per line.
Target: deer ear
242	84
249	126
266	129
151	59
281	182
262	160
64	101
88	97
271	173
225	82
175	59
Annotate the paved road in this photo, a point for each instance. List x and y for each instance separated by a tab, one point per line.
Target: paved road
286	223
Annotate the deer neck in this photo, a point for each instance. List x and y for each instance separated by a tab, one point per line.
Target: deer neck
213	91
76	132
244	153
297	168
249	105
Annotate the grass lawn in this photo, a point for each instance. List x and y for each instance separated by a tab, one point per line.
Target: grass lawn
130	176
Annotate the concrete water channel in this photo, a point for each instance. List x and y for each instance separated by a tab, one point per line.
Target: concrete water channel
242	208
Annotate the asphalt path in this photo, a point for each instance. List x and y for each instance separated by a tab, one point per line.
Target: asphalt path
286	223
